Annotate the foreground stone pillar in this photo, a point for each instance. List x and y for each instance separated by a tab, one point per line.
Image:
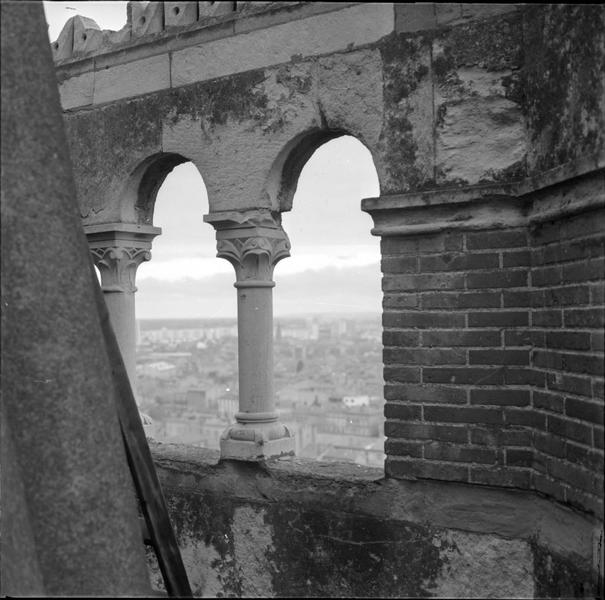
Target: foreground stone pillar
69	515
253	244
117	250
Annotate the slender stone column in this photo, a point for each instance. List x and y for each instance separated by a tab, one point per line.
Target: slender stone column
117	250
253	243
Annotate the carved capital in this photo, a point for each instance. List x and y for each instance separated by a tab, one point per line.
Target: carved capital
254	257
253	244
118	266
117	250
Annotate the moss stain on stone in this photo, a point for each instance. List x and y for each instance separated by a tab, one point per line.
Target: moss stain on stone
339	554
403	72
564	82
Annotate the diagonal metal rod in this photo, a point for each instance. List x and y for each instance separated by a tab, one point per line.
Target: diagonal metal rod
141	464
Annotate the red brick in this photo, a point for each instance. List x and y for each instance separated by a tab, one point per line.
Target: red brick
484	337
423	469
426	431
423	320
399	264
427	281
500	397
461	414
455	453
584	271
584	410
401	338
442	242
597	293
588	318
547	318
570	340
565	296
549	444
518	258
462	375
398	245
399	301
576	476
568	383
597	341
497	279
424	356
521	376
498	319
460	300
562	361
402	374
547	276
459	262
496	239
523	337
569	429
501	476
515	299
403	448
519	457
498	357
546	401
497	436
586	457
405	412
432	394
524	416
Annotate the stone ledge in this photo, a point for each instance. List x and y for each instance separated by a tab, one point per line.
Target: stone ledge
511	514
491	206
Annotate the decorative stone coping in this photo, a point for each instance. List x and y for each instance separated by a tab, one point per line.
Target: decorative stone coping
521	203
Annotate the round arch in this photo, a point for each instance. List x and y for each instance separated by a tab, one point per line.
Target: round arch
141	190
287	167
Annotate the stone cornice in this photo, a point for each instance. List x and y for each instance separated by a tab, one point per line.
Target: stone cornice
154	28
520	203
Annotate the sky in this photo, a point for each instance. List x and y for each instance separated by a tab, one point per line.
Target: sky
335	262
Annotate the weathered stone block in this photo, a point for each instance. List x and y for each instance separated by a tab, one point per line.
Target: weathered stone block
147	18
215	9
77	91
415	17
179	13
87	35
132	79
63	47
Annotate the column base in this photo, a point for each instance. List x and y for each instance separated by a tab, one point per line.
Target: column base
255	442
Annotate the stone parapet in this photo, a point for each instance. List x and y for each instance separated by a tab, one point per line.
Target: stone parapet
294	527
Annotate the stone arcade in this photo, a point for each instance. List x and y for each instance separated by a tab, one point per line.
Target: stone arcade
486	124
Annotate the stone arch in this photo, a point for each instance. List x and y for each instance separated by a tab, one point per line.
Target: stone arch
140	191
289	163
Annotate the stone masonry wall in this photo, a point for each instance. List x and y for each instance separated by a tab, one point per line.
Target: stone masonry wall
493	356
296	528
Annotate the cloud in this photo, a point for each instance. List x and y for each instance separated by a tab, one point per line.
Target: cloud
328	290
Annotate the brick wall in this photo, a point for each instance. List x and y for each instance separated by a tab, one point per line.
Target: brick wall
493	358
567	274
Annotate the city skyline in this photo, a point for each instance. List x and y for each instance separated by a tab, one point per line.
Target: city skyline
334	264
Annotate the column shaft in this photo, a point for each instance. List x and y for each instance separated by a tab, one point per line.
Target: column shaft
255	348
253	244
